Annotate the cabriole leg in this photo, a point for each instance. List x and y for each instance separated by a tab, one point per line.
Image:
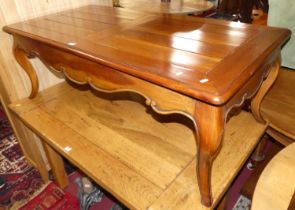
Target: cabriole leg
210	123
23	60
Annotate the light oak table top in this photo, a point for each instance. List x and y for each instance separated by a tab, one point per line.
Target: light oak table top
151	166
276	185
192	66
173	7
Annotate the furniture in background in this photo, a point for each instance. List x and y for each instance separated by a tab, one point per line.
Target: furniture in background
241	9
168	7
278	106
181	65
276	185
278	110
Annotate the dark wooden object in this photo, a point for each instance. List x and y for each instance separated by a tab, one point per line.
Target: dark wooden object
292	204
249	186
242	8
196	67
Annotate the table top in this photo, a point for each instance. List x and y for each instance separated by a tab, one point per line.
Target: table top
145	167
276	185
173	7
206	59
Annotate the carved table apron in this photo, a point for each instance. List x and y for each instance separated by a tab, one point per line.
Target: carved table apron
205	98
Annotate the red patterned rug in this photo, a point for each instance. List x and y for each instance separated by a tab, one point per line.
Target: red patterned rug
5	129
18	179
19	182
21	186
52	198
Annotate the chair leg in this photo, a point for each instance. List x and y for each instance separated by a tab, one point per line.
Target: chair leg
258	154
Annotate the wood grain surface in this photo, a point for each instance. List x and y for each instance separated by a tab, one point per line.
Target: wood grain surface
100	134
276	184
278	106
196	57
197	67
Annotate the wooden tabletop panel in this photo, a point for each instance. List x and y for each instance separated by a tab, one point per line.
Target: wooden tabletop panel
209	60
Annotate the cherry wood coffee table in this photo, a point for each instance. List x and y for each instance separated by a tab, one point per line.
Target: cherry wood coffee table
196	67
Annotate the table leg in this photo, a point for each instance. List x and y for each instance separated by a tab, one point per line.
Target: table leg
210	124
23	60
57	166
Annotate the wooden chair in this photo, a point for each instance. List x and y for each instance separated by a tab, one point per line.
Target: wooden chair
278	105
278	108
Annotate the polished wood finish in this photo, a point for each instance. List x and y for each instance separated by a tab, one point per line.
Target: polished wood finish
265	87
208	143
276	184
168	7
277	135
23	60
144	169
258	155
278	107
122	34
178	64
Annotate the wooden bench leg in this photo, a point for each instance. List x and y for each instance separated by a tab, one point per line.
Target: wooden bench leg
57	166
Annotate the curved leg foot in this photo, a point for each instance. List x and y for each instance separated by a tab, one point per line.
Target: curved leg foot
24	62
210	128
